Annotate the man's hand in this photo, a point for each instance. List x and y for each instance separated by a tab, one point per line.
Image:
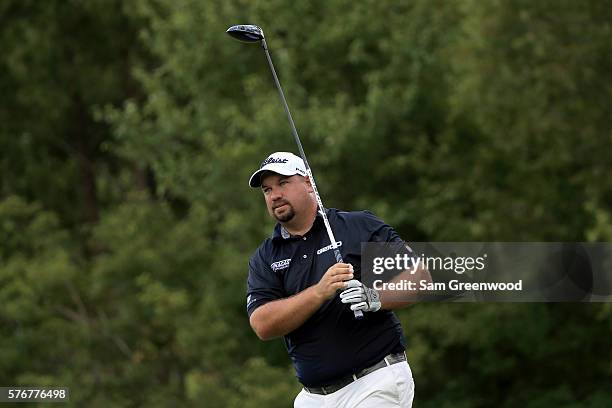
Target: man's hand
360	297
333	280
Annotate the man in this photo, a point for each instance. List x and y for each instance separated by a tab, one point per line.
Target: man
293	286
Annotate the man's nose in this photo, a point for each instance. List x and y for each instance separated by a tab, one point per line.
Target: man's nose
275	194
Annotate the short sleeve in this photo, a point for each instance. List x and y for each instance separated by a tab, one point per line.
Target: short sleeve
263	284
391	243
379	231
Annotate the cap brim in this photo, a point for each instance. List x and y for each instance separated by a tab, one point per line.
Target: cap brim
255	180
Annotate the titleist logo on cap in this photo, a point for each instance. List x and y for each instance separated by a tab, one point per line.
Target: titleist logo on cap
273	160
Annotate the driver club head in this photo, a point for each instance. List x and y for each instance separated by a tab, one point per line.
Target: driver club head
246	33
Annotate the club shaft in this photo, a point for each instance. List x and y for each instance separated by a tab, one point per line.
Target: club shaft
358	313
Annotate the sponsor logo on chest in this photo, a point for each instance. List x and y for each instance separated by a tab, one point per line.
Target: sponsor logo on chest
278	265
284	264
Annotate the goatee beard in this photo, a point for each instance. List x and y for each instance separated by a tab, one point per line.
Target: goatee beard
286	216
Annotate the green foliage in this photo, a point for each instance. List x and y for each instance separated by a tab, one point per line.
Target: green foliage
515	354
129	131
38	271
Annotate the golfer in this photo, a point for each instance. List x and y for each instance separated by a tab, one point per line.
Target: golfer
292	291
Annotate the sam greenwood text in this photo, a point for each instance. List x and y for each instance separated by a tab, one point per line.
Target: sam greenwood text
453	285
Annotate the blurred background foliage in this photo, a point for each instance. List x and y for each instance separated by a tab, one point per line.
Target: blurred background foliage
128	132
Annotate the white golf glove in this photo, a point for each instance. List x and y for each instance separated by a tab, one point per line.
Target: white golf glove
360	297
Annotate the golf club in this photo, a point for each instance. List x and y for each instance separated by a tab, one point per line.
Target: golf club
251	34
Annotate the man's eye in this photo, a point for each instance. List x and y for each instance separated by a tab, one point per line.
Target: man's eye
266	190
282	183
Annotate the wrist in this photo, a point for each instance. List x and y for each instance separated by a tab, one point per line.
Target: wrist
318	293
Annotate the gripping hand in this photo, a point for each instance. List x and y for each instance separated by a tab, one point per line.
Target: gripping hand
360	297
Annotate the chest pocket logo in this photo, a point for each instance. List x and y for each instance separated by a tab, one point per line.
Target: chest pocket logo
278	265
327	248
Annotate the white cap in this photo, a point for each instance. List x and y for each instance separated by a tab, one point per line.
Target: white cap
285	163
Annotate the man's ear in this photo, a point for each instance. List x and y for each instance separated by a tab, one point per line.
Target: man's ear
309	184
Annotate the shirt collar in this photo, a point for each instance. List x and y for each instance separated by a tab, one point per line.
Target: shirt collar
284	233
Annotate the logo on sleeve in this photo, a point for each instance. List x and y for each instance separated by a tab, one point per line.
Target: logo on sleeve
250	300
279	265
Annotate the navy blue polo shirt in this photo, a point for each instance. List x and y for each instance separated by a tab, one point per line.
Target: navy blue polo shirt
331	343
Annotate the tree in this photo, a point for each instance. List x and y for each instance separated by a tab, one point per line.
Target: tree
130	129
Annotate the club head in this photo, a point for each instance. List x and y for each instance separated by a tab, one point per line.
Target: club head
246	33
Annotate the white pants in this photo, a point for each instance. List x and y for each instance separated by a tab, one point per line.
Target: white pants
390	386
